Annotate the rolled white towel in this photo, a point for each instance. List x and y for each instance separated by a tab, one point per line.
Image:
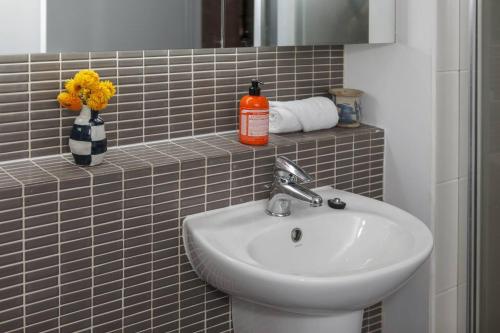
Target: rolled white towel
282	120
313	113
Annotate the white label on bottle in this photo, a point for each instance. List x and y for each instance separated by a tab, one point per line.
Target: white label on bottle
243	124
255	122
258	125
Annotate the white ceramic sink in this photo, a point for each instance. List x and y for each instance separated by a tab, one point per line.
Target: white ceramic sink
345	261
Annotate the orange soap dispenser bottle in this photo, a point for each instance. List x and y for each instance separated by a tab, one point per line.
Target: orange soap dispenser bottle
254	117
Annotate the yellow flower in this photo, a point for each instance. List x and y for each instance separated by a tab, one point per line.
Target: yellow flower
72	87
69	101
100	96
97	100
86	88
108	89
87	79
85	93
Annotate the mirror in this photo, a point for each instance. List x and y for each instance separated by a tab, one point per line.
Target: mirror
110	25
295	22
106	25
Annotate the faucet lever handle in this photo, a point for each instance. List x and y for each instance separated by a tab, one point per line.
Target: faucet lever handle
286	168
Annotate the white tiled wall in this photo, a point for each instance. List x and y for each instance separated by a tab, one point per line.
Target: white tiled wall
446	311
446	237
452	121
447	57
447	120
463	131
398	81
410	86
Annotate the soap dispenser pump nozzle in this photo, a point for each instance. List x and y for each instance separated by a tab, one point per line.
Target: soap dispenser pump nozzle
255	87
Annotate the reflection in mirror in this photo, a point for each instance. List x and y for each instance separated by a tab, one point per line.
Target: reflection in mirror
108	25
116	25
240	23
295	22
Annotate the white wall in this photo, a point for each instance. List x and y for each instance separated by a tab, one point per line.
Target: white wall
452	77
399	82
20	24
447	164
417	90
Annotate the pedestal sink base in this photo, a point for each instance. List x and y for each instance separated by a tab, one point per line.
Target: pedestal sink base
254	318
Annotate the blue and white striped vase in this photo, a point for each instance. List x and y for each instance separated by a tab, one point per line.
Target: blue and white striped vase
87	141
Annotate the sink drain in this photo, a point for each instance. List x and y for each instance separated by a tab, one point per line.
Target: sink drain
296	235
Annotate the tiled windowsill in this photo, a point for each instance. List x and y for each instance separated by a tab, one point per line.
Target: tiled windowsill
172	155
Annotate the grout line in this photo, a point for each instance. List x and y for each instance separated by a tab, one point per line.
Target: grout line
169	126
23	242
192	93
29	107
59	264
122	249
143	96
295	74
117	119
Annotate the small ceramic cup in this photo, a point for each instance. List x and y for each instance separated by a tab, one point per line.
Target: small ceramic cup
348	103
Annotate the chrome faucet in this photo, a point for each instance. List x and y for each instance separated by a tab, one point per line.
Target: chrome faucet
288	178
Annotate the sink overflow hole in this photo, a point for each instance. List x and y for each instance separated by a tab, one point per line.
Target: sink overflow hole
296	235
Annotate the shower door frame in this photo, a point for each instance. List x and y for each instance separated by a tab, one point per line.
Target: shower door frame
474	220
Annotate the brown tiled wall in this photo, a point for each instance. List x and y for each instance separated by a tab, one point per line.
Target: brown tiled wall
100	249
161	94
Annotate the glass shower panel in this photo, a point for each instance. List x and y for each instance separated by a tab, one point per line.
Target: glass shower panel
488	136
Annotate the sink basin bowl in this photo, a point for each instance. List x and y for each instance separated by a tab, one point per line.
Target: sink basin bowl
314	271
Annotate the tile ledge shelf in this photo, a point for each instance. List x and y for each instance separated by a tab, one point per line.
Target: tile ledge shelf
212	149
